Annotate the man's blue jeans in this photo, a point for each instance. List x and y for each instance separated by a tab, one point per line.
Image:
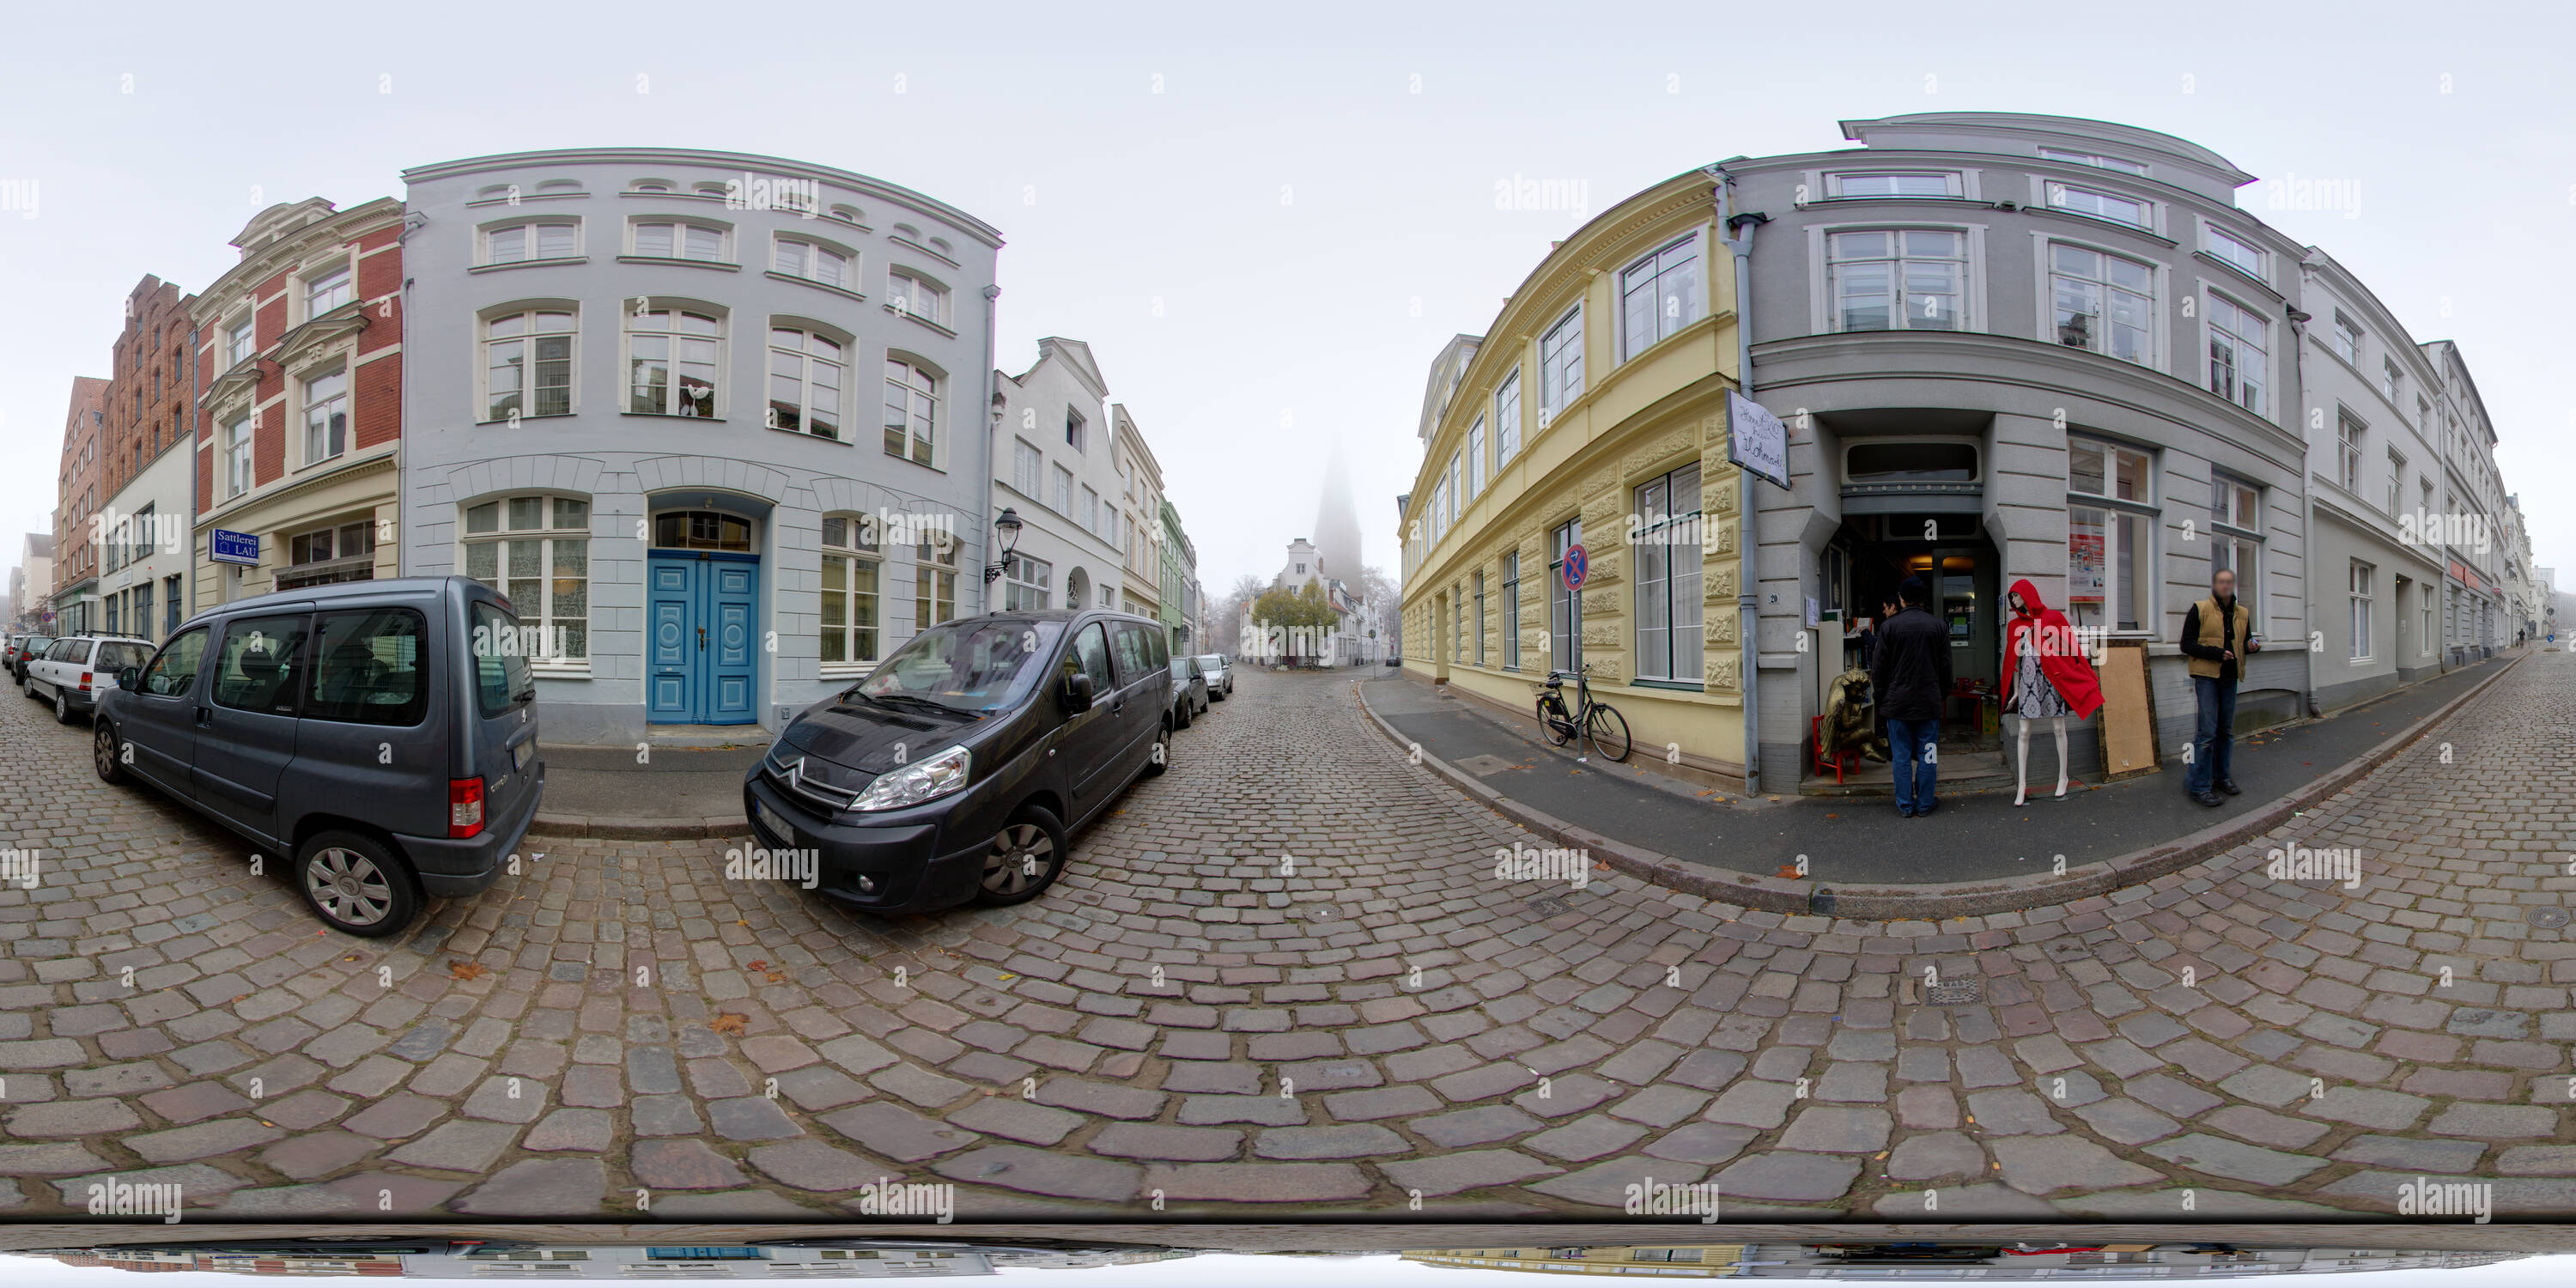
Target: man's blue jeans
1911	748
2213	745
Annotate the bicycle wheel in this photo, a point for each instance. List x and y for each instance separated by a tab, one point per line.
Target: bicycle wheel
1553	720
1608	731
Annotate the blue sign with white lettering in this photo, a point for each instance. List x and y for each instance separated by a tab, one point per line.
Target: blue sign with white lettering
234	547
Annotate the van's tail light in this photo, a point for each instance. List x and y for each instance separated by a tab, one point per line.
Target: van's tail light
464	806
85	680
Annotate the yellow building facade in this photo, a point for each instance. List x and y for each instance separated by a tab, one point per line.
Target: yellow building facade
1594	413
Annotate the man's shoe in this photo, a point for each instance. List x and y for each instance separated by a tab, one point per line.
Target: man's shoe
1922	810
2231	788
2210	799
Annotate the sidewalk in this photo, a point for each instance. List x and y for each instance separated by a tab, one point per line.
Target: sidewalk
679	793
1976	836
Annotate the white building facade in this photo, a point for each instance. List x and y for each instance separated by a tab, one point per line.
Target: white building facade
1055	466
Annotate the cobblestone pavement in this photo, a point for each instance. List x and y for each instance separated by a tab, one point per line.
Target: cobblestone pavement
1286	978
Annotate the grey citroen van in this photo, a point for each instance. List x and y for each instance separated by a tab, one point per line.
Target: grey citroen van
380	736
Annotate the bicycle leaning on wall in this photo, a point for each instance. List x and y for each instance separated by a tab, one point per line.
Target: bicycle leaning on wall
1595	721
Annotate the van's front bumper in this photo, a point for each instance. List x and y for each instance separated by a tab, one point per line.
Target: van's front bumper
889	869
455	867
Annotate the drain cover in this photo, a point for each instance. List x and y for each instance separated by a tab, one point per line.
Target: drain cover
2546	918
1954	992
1548	906
1481	766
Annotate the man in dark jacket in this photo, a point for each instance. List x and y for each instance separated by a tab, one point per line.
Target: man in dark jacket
2218	636
1911	674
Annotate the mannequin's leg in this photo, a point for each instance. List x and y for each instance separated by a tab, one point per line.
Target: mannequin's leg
2060	723
2021	793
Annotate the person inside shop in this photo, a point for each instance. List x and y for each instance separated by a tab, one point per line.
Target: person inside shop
1911	675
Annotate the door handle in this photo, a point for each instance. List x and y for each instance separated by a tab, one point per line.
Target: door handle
205	716
702	639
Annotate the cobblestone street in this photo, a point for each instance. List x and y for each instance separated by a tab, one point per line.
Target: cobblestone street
1284	978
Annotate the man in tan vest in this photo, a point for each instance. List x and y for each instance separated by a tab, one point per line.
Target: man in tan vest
2218	636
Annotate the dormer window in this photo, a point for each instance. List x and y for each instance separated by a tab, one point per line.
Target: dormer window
559	188
651	185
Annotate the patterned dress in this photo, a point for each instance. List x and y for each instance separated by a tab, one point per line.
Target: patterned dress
2035	695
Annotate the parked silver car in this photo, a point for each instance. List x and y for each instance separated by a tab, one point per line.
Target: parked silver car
1220	675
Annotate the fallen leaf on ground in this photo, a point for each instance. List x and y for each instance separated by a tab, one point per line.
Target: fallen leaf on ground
468	970
728	1024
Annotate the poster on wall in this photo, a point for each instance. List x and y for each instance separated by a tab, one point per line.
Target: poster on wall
2087	574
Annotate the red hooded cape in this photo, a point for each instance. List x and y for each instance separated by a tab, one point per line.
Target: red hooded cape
2060	658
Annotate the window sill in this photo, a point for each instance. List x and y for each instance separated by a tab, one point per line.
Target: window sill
525	417
935	326
846	671
525	198
1673	686
909	461
842	291
782	429
530	263
675	262
672	415
581	672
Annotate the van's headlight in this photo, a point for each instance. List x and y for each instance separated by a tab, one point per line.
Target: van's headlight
922	780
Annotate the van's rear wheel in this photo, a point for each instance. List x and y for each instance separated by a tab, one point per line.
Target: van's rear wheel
357	884
1026	857
1160	758
103	753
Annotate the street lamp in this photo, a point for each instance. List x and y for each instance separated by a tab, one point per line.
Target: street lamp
1006	534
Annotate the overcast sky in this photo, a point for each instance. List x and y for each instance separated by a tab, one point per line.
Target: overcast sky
1266	220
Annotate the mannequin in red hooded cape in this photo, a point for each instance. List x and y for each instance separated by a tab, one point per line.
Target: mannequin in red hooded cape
2046	677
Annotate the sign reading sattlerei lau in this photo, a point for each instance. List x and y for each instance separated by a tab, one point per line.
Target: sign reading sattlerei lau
1756	441
233	547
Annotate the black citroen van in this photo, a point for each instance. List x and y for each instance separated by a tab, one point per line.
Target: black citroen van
380	736
958	769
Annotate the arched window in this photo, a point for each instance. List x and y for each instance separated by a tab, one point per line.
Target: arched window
672	358
807	373
701	530
911	411
852	569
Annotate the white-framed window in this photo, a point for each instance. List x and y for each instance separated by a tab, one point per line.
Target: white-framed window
912	412
1457	485
2391	380
2235	252
326	416
1897	279
533	239
237	458
1564	607
2423	410
349	549
852	630
673	357
934	583
2236	533
2100	205
1090	517
238	341
2360	590
1660	294
1507	418
2095	160
662	239
2347	340
1479	581
814	261
1027	583
2102	302
1668	578
2396	480
1061	499
536	551
2350	433
1560	365
327	289
2239	355
1476	458
1028	468
910	293
807	372
527	363
2111	526
1921	184
1512	610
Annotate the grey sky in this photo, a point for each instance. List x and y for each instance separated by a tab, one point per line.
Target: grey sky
1312	227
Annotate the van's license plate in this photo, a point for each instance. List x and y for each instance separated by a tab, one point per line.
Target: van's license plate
519	754
769	818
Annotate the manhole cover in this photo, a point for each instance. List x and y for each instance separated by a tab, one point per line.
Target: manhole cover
1483	765
2546	918
1954	992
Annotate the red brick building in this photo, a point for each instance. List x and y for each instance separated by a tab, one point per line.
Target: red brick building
75	598
299	414
142	523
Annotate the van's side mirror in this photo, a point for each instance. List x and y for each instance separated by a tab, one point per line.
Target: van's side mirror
127	678
1077	693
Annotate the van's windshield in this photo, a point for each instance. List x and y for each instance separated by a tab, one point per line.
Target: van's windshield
967	666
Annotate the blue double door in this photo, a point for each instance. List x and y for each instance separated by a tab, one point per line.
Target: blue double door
702	637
